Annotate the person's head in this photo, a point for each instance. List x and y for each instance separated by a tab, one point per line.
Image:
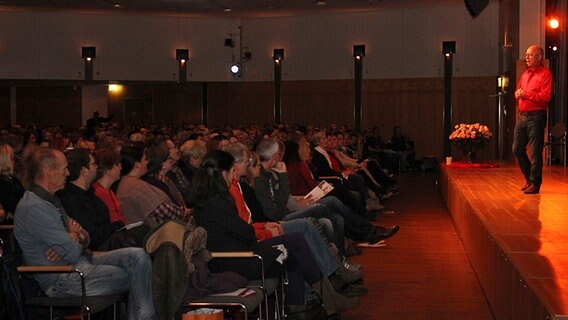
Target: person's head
214	176
47	168
81	165
193	152
108	164
339	138
159	159
534	56
6	159
319	138
134	161
268	151
292	154
172	148
242	156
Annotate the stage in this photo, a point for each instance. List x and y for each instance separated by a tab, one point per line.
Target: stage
517	243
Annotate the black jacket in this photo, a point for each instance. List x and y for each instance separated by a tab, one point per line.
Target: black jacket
91	213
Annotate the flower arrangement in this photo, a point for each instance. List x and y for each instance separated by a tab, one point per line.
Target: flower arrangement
470	137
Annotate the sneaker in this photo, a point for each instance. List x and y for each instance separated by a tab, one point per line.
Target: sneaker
350	265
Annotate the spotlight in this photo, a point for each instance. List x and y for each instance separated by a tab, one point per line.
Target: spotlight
553	23
358	51
182	55
89	53
278	54
235	68
448	48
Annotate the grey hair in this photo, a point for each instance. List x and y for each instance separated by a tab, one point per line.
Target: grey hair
266	149
236	149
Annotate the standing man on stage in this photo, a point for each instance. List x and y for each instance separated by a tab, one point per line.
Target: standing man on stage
533	94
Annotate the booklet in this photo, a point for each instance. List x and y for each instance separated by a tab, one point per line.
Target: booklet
242	292
132	225
319	191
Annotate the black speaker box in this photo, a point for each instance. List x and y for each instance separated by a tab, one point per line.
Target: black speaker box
475	6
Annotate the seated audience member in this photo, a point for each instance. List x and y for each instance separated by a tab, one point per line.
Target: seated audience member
11	190
273	192
403	147
81	203
371	168
176	175
108	172
324	165
192	151
141	201
160	163
216	212
49	237
243	194
297	157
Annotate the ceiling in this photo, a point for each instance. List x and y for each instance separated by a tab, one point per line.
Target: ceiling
220	8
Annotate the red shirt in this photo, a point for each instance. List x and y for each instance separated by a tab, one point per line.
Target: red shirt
244	212
537	87
109	198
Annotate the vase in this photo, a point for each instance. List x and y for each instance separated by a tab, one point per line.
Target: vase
469	157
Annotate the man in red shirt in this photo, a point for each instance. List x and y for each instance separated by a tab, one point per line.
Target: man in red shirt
533	94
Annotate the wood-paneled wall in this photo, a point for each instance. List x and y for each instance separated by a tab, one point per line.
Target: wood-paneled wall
5	113
414	104
49	106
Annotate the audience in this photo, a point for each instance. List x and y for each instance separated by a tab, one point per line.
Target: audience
48	236
251	196
11	190
215	211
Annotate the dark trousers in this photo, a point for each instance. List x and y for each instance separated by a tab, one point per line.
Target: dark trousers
529	130
300	265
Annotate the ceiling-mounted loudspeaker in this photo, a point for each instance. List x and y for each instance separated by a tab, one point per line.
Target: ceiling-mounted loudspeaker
475	6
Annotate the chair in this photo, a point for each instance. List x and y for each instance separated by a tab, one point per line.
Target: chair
556	137
87	304
22	284
263	288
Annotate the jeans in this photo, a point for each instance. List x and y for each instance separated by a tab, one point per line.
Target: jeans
318	211
113	272
529	130
355	226
325	260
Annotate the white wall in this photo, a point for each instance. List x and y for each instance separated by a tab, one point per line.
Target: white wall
403	43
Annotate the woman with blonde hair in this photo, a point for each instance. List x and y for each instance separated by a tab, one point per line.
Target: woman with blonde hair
11	189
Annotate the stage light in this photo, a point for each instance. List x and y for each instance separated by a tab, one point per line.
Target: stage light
89	53
235	68
182	55
553	23
278	55
448	48
359	51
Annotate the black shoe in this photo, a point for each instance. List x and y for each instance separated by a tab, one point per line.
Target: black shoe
532	189
383	234
337	282
526	186
354	291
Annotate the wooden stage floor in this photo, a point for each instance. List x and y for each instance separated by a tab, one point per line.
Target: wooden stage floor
517	243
